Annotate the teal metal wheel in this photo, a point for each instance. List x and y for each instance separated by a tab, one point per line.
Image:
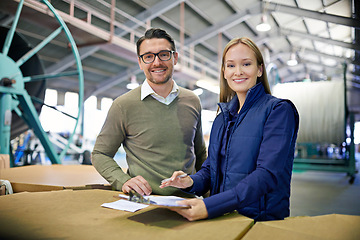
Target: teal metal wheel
14	82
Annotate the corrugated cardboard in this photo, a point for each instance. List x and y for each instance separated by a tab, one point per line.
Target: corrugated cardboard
69	214
331	227
4	161
2	190
37	178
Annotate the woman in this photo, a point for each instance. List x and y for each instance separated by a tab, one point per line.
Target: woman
251	149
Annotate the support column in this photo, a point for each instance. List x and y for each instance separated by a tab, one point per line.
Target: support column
5	124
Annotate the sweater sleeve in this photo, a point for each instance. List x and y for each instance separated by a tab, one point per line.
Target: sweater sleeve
107	144
278	138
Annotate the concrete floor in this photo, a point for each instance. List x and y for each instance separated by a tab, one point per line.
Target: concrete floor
316	193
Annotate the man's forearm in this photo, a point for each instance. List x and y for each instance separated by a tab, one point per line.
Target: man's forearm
109	169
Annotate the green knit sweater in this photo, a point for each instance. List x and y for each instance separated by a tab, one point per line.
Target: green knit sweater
158	139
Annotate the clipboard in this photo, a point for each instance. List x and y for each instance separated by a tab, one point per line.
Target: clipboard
152	200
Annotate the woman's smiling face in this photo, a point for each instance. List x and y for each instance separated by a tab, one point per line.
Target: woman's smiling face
241	69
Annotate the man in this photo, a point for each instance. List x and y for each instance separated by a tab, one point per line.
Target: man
158	123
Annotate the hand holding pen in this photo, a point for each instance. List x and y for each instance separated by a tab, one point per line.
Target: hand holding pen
197	208
179	179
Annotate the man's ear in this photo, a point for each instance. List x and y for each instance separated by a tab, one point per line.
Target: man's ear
139	62
176	56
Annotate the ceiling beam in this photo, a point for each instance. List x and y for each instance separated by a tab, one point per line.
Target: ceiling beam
155	11
287	32
175	24
319	39
69	60
339	59
149	14
275	55
205	17
346	21
84	52
110	82
222	26
256	9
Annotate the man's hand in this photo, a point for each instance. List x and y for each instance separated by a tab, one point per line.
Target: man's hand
138	184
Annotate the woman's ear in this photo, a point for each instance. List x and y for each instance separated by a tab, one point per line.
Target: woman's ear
260	71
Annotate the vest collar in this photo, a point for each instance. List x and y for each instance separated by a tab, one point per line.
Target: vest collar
251	96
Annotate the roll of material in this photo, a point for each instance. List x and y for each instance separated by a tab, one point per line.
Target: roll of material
8	188
321	107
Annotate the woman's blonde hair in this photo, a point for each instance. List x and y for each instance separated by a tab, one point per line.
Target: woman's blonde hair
226	93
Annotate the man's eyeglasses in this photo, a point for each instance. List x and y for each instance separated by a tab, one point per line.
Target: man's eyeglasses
164	55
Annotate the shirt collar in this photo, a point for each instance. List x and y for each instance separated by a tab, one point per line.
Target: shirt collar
146	90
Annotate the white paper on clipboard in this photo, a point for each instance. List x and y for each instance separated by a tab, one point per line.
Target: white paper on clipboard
161	201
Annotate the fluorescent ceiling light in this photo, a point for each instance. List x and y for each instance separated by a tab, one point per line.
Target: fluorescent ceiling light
198	91
133	83
292	61
131	86
208	84
264	26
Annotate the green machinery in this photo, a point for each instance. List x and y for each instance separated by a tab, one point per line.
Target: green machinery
343	157
325	156
21	85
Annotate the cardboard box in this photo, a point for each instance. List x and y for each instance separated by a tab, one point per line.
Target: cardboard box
37	178
2	190
69	214
4	161
333	226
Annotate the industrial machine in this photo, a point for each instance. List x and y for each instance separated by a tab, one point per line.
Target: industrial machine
326	134
23	84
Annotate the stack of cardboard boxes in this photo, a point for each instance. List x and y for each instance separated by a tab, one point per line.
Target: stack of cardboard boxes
4	163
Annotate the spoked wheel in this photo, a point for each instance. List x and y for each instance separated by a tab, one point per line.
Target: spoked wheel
23	80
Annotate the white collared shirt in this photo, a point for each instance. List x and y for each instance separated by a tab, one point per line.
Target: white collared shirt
146	90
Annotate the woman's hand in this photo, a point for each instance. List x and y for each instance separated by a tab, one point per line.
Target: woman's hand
196	211
179	179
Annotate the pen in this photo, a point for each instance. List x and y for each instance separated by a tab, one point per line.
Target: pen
180	176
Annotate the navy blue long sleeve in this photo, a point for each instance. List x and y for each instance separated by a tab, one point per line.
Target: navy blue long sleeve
259	162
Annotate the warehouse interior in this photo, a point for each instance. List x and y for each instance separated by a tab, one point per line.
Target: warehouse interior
76	62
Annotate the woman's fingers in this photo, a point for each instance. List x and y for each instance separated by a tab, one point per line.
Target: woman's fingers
179	179
196	211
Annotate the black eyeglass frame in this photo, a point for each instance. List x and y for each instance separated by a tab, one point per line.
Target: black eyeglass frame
157	54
